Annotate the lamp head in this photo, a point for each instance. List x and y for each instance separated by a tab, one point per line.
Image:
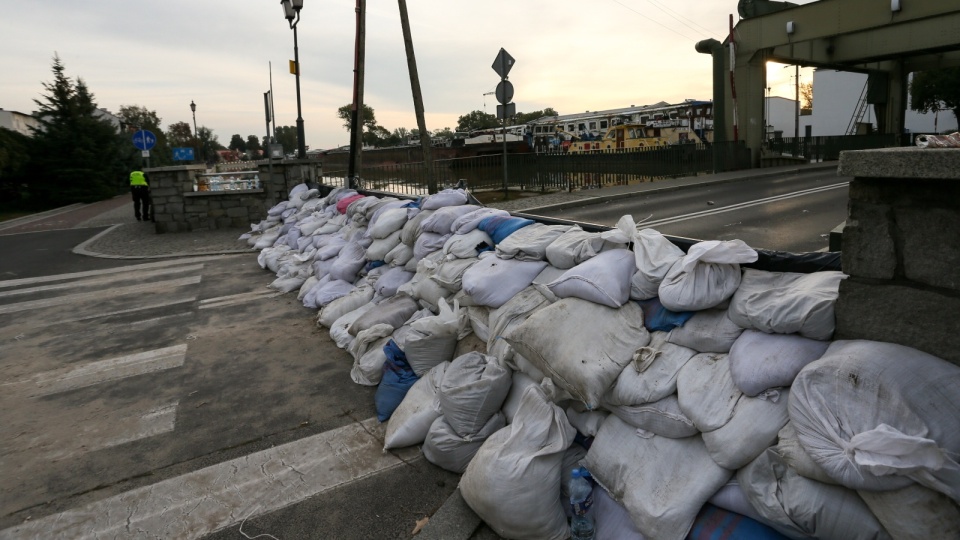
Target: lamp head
193	106
288	10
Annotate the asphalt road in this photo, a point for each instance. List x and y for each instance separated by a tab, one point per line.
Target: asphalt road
792	213
182	399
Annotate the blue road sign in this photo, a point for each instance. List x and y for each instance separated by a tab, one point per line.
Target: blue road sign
183	154
144	139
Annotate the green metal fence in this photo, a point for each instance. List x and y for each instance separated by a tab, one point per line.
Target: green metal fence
547	172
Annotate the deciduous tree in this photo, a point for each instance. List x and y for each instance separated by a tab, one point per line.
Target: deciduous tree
936	90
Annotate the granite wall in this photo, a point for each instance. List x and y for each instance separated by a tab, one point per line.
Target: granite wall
901	249
178	208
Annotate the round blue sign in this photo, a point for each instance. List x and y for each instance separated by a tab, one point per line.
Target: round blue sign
144	139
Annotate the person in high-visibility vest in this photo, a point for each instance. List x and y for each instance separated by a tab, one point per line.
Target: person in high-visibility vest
140	189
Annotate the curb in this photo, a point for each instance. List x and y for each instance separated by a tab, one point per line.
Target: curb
10	223
604	198
453	521
82	249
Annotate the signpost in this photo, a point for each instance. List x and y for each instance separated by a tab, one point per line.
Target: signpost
502	64
183	154
144	140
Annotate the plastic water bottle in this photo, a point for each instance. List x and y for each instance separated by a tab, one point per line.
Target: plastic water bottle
581	499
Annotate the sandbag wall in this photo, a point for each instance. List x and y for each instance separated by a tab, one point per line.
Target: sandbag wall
702	395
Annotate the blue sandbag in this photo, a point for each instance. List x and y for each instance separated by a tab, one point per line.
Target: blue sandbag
500	227
398	377
656	317
714	523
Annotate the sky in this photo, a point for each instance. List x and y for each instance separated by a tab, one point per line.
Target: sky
573	56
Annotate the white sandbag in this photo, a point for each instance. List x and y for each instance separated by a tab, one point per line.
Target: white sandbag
379	248
732	498
288	284
399	255
651	374
468	222
796	457
432	340
520	383
446	449
787	303
333	290
512	314
574	247
442	220
365	340
492	280
707	331
348	263
513	481
466	246
706	391
530	243
604	279
585	421
329	248
305	288
411	229
388	223
655	255
914	513
411	421
663	418
339	330
662	482
879	416
267	239
753	429
611	521
473	389
393	311
367	368
447	197
759	361
480	321
429	292
310	299
449	274
345	304
428	243
391	280
582	346
802	508
706	276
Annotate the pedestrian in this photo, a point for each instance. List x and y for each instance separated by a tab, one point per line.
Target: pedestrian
140	189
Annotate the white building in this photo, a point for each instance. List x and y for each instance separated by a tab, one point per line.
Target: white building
19	122
836	96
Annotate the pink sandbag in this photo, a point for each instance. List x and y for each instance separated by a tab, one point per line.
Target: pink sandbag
342	204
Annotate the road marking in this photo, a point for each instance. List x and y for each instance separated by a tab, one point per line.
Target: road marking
140	275
70	378
738	206
98	295
52	322
223	301
216	497
129	428
106	271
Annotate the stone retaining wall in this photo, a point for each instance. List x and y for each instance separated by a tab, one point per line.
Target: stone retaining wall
901	249
177	208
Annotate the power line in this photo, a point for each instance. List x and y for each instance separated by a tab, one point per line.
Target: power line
654	20
665	9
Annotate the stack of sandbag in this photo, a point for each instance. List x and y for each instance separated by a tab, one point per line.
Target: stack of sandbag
703	390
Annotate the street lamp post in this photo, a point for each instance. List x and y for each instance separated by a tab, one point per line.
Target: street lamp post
193	109
291	10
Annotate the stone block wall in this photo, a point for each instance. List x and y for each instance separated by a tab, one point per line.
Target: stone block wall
901	249
177	208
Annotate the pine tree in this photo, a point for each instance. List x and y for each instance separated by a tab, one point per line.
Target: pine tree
76	156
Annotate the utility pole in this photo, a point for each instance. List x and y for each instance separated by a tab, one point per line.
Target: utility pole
417	98
356	122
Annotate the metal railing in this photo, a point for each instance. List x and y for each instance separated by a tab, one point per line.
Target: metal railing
828	148
545	172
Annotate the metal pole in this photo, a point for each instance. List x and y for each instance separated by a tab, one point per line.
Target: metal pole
356	119
301	143
417	97
502	79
